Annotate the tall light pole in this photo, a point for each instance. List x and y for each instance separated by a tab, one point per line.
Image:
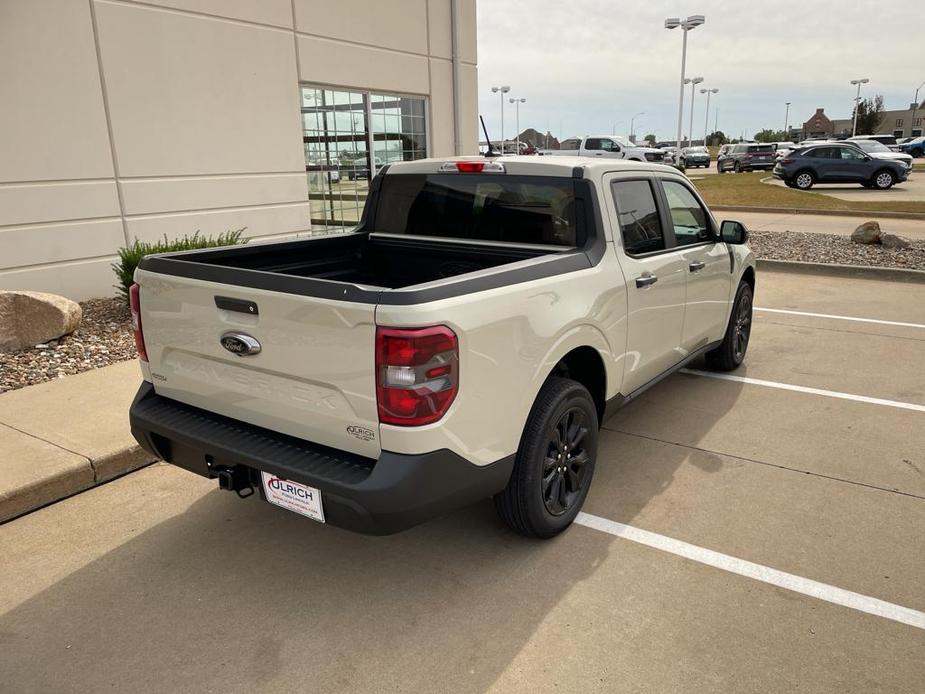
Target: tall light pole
694	81
857	103
706	119
915	108
692	22
517	103
787	122
613	129
503	91
632	124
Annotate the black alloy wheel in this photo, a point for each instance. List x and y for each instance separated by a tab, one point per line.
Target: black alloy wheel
565	465
743	326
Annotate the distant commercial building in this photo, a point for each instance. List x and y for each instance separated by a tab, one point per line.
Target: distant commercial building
125	120
899	123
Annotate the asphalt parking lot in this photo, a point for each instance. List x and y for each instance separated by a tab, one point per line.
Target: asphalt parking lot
757	534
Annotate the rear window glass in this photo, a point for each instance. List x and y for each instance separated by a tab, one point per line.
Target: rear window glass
513	209
640	223
761	148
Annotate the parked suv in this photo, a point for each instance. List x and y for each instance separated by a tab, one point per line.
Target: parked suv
746	157
692	157
914	147
831	163
876	150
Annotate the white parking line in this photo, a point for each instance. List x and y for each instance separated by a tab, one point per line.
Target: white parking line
804	389
758	572
851	318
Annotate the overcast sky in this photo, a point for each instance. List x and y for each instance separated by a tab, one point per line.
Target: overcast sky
589	64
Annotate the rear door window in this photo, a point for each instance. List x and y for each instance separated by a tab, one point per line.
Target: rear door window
689	220
637	212
570	144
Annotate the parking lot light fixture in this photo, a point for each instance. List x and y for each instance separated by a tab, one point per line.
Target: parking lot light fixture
632	124
787	122
686	25
915	108
706	119
517	103
857	104
694	81
502	90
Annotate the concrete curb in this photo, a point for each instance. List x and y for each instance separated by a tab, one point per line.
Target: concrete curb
824	213
55	486
871	272
66	436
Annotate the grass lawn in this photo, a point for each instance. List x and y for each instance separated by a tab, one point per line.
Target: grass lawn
748	190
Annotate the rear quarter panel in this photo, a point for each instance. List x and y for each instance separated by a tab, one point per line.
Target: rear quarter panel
509	341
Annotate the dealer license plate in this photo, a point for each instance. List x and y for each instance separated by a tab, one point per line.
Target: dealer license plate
293	496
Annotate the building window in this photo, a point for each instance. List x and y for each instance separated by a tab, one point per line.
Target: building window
916	122
348	136
899	122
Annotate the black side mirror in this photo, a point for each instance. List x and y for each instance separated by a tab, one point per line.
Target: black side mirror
733	232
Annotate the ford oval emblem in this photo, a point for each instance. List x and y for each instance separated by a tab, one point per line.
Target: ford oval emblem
240	343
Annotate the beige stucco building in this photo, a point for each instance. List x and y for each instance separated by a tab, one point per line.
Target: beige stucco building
125	120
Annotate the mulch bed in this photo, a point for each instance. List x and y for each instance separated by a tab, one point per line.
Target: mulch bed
103	338
832	248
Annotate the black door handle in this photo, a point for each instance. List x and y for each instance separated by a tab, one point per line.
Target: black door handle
646	280
697	266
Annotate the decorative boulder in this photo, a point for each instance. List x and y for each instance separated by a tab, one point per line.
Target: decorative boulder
30	318
893	241
868	232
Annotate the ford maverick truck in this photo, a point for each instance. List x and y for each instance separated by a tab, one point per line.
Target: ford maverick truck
466	340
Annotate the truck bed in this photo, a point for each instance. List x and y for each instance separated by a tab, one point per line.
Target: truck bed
370	260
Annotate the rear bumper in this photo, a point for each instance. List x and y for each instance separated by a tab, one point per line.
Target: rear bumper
378	497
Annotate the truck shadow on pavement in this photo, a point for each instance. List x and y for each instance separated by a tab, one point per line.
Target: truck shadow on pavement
233	595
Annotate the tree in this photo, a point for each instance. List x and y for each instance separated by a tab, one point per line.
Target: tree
717	138
768	135
650	138
869	114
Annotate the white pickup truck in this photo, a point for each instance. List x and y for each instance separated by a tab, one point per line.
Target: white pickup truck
608	147
465	341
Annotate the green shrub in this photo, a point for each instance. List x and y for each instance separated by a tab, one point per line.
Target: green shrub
131	256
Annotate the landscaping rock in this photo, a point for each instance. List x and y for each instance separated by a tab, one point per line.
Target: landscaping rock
893	241
868	232
31	318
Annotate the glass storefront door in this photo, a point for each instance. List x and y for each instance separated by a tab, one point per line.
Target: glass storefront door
348	136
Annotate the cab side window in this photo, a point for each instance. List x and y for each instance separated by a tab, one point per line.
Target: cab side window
688	218
593	143
640	223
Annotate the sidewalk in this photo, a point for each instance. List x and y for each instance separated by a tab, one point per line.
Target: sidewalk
64	436
824	224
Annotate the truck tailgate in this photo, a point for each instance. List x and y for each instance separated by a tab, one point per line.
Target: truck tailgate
313	376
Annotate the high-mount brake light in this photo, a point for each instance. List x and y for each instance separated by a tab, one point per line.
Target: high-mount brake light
417	374
472	167
135	305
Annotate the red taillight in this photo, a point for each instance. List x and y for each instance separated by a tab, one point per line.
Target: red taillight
135	303
470	166
417	374
786	161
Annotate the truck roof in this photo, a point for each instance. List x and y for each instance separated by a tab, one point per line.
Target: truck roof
527	165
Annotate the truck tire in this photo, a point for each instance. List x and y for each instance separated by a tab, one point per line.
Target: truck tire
731	351
550	481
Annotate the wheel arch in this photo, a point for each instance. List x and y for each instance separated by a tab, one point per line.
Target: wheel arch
583	355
